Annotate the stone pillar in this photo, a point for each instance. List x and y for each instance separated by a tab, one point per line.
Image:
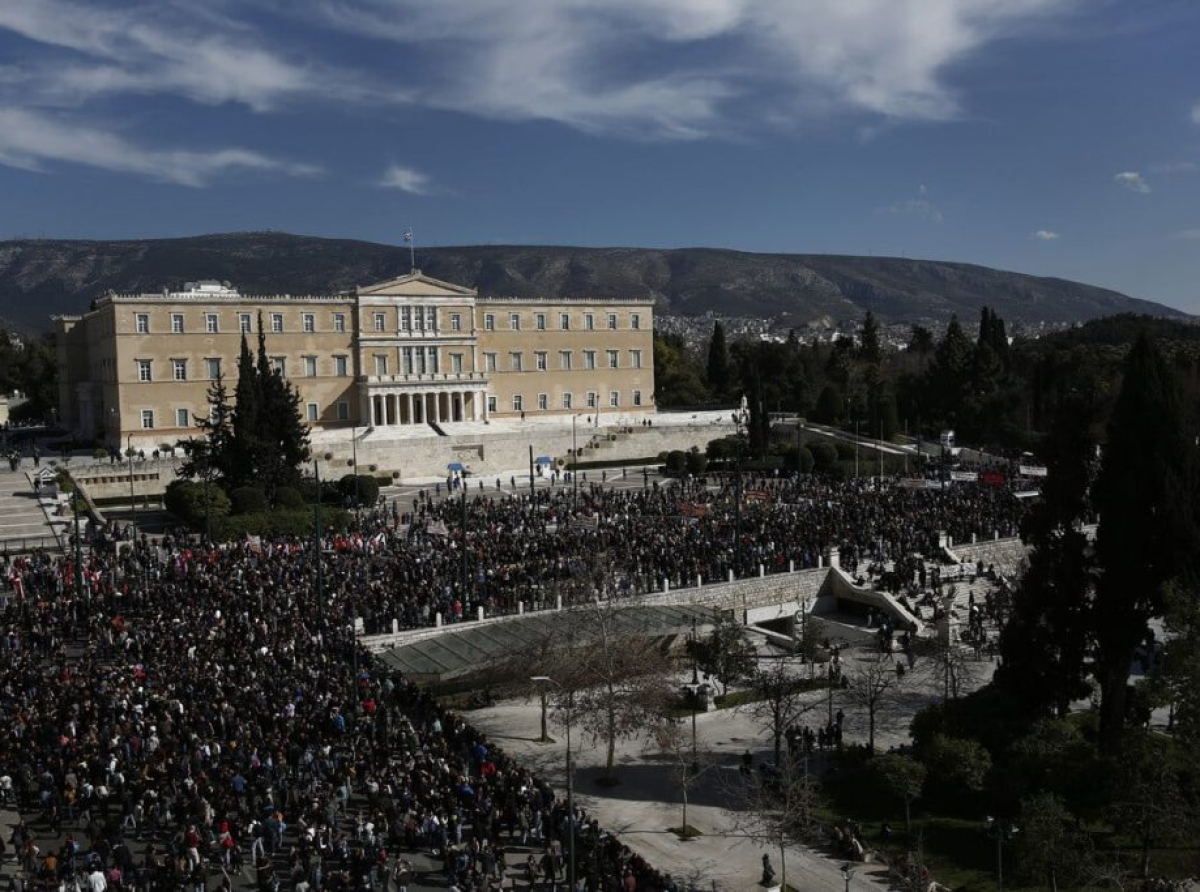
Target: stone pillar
762	571
437	620
833	558
483	397
791	566
371	409
731	576
436	417
699	581
479	611
559	602
520	608
395	625
666	585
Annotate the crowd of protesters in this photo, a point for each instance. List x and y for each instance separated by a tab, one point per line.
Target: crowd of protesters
197	717
522	548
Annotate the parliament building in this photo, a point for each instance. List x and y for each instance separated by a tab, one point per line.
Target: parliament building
411	351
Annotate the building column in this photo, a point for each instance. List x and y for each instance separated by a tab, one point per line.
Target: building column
474	395
484	403
437	409
408	404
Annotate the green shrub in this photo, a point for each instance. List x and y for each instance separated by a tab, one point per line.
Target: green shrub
824	455
696	463
288	497
248	500
366	491
676	462
185	499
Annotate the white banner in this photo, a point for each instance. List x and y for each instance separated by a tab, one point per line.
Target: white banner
1032	470
964	475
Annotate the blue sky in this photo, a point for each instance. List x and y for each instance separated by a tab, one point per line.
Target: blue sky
1057	137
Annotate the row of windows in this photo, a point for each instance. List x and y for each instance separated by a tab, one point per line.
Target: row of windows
212	367
212	323
411	319
591	400
566	361
564	321
183	417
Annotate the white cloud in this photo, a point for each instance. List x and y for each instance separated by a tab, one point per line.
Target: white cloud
688	68
31	140
1132	180
1046	235
920	207
159	49
1189	234
406	180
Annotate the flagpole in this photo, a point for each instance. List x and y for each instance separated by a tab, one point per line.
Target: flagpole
412	250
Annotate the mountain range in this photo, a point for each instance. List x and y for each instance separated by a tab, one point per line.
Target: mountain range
43	277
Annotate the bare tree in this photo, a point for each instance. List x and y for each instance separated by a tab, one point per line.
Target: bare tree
777	808
674	742
948	665
873	685
782	700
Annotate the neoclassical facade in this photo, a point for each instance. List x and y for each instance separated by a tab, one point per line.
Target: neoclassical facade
411	351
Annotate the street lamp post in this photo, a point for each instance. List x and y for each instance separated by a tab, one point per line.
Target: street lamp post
574	470
847	875
1001	831
546	679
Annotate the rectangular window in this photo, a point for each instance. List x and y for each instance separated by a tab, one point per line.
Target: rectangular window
518	403
456	363
340	366
591	399
179	369
339	322
540	321
637	397
144	371
635	322
612	321
489	362
514	362
540	359
310	323
589	359
614	398
589	321
489	322
433	359
244	323
312	411
143	323
612	359
635	358
379	321
491	404
566	400
181	418
456	321
343	411
419	355
543	402
177	323
380	364
406	360
564	321
212	367
310	366
211	325
279	365
564	360
431	319
406	318
277	322
418	318
514	321
147	419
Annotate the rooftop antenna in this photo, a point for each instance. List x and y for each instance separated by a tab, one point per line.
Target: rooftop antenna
412	256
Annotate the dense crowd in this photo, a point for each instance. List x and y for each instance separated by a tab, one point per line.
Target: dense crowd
534	549
185	721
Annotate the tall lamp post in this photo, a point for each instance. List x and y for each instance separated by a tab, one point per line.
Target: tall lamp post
1002	831
546	679
574	470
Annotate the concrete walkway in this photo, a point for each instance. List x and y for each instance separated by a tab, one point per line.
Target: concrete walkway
22	518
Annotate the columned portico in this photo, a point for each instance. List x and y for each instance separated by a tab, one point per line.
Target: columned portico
392	408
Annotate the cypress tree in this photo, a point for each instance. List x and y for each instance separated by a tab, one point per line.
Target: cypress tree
869	350
717	372
1146	494
244	462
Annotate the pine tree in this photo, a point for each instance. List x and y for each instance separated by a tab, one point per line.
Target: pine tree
212	455
869	350
717	374
1044	645
279	431
1147	498
245	460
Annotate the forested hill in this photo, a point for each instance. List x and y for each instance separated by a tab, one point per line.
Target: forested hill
42	277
